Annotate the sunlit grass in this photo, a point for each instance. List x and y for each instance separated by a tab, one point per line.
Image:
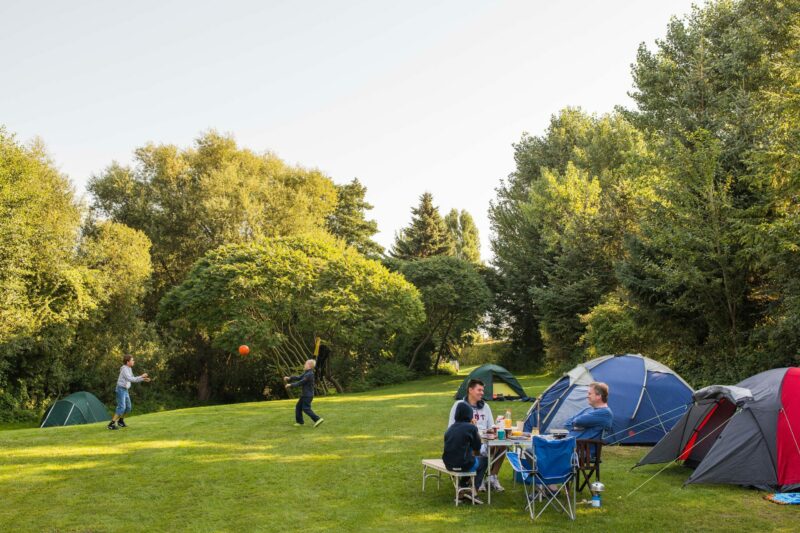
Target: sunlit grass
245	468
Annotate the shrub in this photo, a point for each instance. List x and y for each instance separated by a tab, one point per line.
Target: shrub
388	373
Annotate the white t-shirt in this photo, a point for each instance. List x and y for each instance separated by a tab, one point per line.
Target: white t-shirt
484	415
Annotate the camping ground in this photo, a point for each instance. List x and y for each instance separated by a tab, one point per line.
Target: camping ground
244	467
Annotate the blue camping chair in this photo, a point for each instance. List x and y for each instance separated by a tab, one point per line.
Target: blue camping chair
553	473
525	475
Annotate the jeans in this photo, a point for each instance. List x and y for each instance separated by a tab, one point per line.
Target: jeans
124	404
480	466
304	406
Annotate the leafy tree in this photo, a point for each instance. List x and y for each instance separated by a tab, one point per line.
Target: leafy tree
44	293
704	98
775	233
464	234
455	297
194	200
578	272
118	258
277	295
685	266
559	223
348	221
426	236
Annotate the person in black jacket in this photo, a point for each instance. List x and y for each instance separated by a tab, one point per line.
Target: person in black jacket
462	448
306	380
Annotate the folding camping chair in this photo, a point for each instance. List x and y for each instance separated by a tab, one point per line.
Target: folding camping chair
588	461
555	463
525	475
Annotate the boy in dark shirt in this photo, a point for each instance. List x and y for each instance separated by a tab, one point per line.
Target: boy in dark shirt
306	379
462	443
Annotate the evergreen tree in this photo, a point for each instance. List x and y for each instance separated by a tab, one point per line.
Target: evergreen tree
348	221
426	236
704	263
464	234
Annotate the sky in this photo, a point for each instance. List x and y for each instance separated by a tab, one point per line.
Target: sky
408	96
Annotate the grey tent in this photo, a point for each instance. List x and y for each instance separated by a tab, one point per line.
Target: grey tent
743	435
77	408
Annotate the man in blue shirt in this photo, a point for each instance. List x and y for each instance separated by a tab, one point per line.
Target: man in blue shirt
592	421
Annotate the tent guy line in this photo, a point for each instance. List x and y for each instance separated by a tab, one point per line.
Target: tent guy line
677	458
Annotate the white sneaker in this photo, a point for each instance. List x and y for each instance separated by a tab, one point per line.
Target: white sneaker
482	488
496	484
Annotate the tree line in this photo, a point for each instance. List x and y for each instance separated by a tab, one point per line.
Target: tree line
188	253
669	229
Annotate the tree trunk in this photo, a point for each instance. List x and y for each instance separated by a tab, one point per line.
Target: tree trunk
203	351
441	347
422	343
203	386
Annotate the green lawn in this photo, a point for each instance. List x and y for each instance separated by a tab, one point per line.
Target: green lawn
245	468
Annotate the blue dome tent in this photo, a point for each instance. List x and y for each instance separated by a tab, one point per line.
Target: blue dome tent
647	398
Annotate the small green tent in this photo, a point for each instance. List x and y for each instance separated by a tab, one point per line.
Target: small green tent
498	383
77	408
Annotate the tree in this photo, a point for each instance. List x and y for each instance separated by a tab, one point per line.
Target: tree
348	221
685	267
560	221
44	292
194	200
119	259
277	295
455	297
579	271
705	100
464	234
775	233
426	236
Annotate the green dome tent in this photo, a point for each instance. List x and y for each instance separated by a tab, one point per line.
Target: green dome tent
77	408
499	384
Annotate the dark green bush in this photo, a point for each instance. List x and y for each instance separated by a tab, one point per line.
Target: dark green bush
388	373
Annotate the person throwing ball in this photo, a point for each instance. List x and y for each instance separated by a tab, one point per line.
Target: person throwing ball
124	381
306	380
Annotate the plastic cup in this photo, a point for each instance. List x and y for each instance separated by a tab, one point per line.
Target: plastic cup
501	434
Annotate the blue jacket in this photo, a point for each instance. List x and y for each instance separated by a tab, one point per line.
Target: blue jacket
305	380
590	423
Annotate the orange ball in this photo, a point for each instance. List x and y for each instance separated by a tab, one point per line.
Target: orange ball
244	349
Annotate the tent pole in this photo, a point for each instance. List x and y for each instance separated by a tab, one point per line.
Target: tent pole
49	411
70	412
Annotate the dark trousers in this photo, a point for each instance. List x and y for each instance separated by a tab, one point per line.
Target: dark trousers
304	406
480	472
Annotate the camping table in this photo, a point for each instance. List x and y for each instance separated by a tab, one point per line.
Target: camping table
492	446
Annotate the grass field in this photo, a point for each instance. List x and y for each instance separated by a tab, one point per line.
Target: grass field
245	468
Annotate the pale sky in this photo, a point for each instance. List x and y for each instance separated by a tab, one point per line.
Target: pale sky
407	96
